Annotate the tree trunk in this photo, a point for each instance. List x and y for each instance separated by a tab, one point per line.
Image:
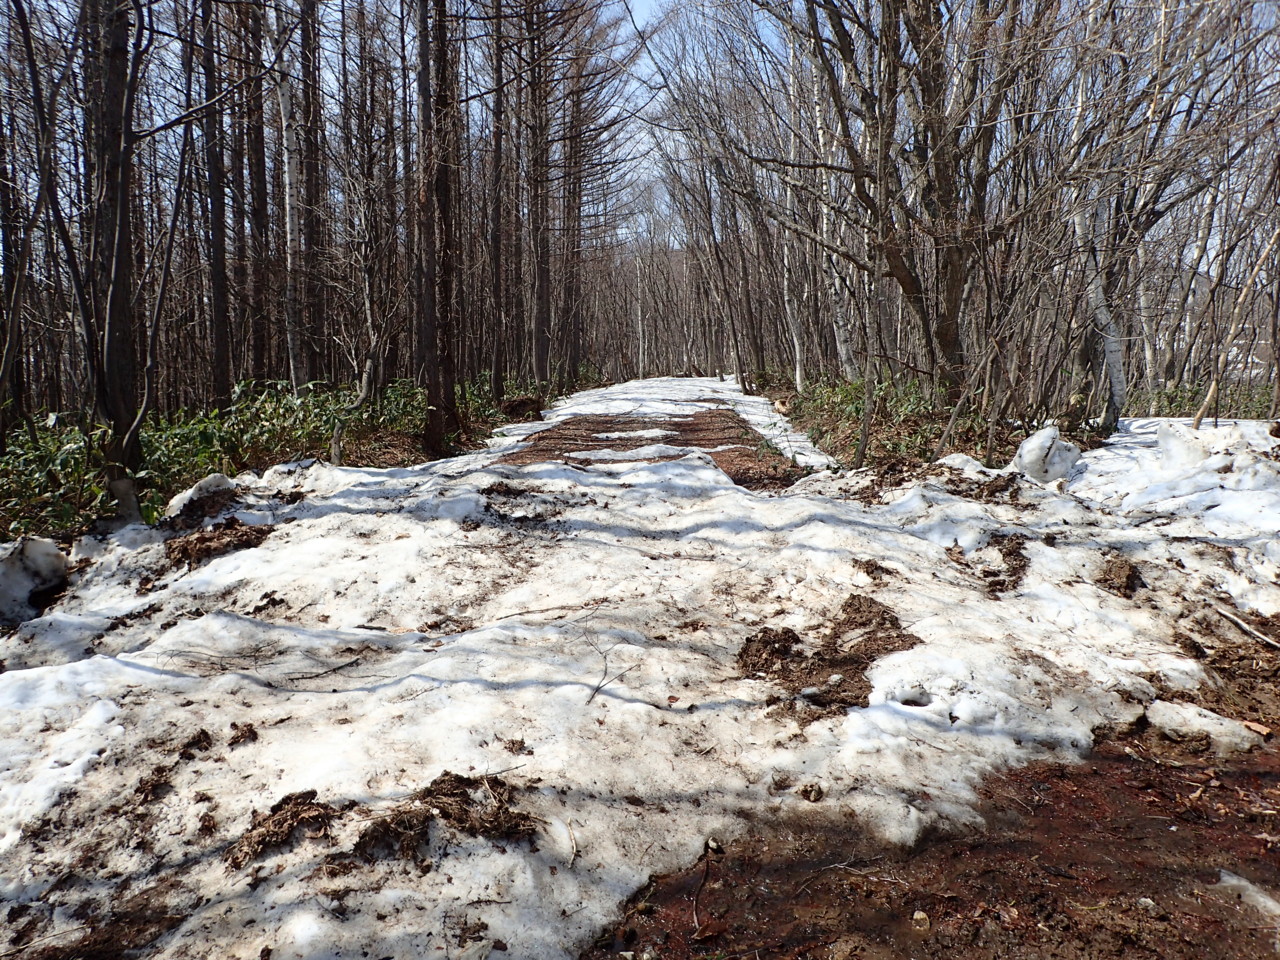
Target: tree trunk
298	372
218	307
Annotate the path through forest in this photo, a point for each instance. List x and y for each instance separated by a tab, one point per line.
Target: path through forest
473	706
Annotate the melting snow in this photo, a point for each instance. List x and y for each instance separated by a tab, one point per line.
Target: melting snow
574	631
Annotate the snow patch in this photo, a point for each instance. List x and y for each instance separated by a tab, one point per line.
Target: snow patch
214	483
1184	721
27	565
1044	457
575	630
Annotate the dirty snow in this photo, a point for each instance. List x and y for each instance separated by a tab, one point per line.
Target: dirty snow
574	630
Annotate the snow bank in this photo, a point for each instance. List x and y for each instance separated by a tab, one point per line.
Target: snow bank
1044	457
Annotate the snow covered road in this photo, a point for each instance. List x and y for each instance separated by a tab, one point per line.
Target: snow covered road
616	659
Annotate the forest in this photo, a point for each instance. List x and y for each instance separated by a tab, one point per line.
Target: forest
1006	211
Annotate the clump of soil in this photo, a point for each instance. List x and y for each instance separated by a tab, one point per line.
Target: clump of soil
1002	488
723	435
201	741
224	537
1117	857
277	827
475	806
1013	553
873	568
503	489
890	474
1121	577
860	612
155	785
832	678
767	651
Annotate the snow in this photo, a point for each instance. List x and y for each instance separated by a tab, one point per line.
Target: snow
26	565
1045	457
214	483
396	624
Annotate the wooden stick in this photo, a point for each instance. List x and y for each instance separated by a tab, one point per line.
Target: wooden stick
1248	629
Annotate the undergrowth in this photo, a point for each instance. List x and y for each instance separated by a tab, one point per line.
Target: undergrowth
51	474
908	424
1245	401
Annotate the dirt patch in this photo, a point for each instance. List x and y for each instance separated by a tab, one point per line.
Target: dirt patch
1244	672
475	806
196	511
767	651
1120	576
276	828
1117	857
737	449
891	474
199	742
1012	547
872	568
507	490
522	409
832	678
154	786
224	537
132	926
382	448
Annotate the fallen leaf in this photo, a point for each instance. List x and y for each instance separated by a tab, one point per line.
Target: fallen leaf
710	930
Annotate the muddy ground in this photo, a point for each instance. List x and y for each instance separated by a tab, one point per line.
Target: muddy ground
1120	856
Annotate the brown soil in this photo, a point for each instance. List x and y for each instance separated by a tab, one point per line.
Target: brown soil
1244	672
832	678
195	512
382	449
133	925
1120	576
1011	547
747	459
1117	857
224	537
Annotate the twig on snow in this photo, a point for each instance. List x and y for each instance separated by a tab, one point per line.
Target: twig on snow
573	841
324	673
604	683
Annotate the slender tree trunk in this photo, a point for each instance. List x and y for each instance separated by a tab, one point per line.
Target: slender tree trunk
218	305
298	372
498	211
